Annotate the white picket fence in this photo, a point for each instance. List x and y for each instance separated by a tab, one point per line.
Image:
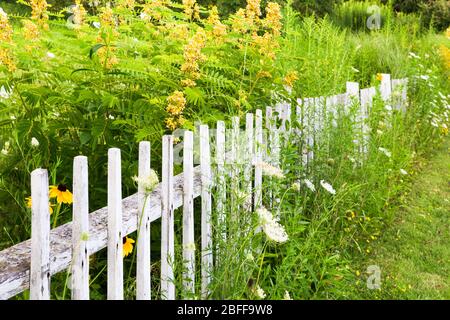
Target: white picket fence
31	264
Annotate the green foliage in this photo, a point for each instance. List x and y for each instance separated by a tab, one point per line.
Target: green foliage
64	95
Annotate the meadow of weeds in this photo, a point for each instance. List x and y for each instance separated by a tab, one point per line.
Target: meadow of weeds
88	78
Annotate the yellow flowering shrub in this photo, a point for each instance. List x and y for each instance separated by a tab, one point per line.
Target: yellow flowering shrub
39	13
193	55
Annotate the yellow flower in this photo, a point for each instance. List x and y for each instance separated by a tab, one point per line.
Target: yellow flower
30	203
263	74
379	77
273	18
153	10
191	9
253	9
177	103
6	30
444	131
127	246
61	193
30	30
79	14
240	23
358	273
193	55
6	59
266	45
290	78
107	57
39	12
188	83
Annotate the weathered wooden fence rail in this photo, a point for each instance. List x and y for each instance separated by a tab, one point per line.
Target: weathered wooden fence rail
31	264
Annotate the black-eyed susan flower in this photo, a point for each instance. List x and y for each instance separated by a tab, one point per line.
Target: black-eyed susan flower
61	193
127	246
30	203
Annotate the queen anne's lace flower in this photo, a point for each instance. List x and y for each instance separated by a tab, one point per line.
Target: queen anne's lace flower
273	230
270	170
327	187
259	292
287	296
386	152
149	182
310	185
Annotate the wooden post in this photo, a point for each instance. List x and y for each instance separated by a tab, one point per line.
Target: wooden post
115	236
143	281
188	213
80	230
206	231
167	222
40	237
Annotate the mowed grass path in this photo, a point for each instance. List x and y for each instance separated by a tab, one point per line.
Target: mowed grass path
414	252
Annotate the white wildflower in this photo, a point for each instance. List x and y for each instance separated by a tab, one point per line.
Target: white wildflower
388	108
13	118
327	187
259	292
386	152
5	94
50	55
34	142
413	55
273	230
264	216
296	186
270	170
355	70
424	77
148	183
403	172
379	132
310	185
287	296
144	16
352	160
249	257
96	24
5	149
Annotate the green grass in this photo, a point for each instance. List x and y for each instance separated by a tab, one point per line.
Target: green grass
413	253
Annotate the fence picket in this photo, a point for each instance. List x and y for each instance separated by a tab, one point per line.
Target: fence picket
235	161
221	187
386	87
248	169
40	237
206	231
259	152
80	231
188	213
167	221
115	242
143	281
